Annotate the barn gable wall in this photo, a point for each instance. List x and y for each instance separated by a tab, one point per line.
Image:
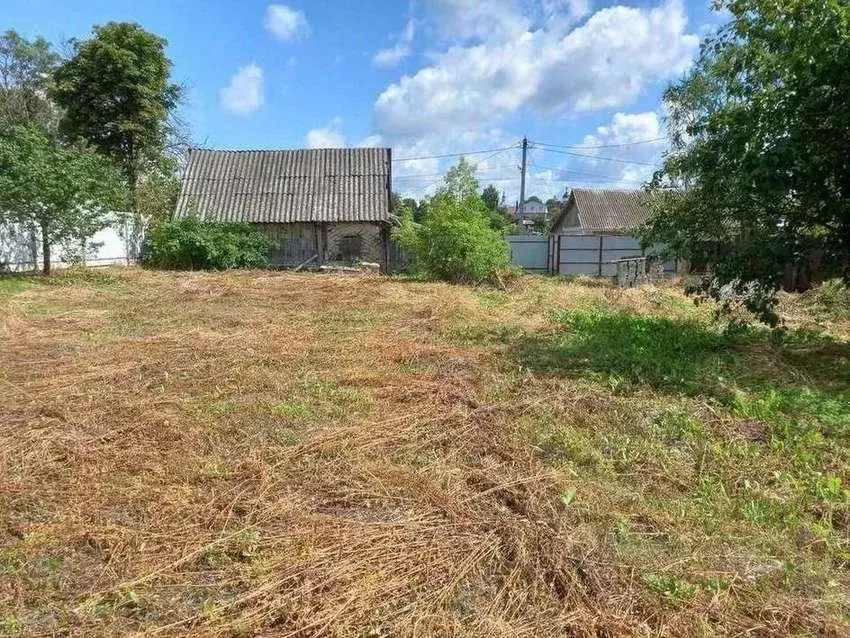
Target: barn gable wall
297	243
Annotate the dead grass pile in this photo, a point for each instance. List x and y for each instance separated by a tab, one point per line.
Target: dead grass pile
298	455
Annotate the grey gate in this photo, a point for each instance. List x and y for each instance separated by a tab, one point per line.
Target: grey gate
531	252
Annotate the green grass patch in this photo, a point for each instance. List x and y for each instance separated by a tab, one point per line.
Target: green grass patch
11	285
293	410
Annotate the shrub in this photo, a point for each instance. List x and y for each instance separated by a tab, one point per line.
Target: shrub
831	299
456	241
192	243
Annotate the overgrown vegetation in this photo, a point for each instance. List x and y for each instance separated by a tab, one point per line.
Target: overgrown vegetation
760	130
370	456
191	243
87	139
116	93
66	191
456	241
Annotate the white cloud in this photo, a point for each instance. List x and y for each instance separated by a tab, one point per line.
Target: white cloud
403	47
605	63
286	23
328	136
245	93
571	10
627	129
479	19
621	154
370	142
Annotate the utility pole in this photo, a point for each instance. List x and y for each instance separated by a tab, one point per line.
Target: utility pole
521	208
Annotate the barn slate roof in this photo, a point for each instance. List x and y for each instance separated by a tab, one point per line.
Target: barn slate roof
307	185
609	210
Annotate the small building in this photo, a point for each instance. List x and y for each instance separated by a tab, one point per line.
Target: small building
602	212
596	230
318	205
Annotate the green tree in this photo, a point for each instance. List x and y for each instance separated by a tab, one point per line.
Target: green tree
117	94
554	207
65	192
25	70
455	242
491	198
156	196
460	182
760	130
420	211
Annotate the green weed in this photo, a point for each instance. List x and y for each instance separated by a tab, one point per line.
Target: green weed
293	410
671	588
10	624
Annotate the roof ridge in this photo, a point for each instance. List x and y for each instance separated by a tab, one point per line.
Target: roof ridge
287	150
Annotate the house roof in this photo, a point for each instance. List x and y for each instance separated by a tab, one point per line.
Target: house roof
608	210
315	185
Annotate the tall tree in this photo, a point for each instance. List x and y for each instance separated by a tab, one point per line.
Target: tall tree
491	198
761	128
65	192
25	70
117	93
460	182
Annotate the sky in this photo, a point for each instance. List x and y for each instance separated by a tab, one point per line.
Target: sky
581	79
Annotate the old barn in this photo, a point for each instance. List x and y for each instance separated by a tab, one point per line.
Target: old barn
318	205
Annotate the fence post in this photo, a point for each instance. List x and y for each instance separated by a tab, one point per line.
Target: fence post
558	256
601	239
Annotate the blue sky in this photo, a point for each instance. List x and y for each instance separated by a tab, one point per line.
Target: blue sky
426	77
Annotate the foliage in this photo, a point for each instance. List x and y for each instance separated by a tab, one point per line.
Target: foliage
831	299
496	213
455	242
117	94
554	206
25	68
192	243
64	191
156	196
395	203
491	198
761	130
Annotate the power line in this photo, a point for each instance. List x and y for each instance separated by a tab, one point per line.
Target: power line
599	157
581	174
493	154
491	150
419	175
587	148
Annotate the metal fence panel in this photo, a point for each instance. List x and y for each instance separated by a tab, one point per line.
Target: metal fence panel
621	242
530	252
596	254
572	256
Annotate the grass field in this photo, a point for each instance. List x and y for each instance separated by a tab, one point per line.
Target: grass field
279	454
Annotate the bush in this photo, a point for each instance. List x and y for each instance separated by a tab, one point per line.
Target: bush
831	299
192	243
456	241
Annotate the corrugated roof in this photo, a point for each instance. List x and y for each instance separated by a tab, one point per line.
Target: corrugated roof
308	185
607	210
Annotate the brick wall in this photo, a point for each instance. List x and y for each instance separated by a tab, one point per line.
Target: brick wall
370	239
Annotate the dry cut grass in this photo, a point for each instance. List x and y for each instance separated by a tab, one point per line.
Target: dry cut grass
262	454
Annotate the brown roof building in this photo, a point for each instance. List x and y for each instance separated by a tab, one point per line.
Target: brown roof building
603	211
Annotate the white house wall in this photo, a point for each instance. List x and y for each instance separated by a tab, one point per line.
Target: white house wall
20	249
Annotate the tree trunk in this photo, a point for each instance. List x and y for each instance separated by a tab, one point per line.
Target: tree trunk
45	250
